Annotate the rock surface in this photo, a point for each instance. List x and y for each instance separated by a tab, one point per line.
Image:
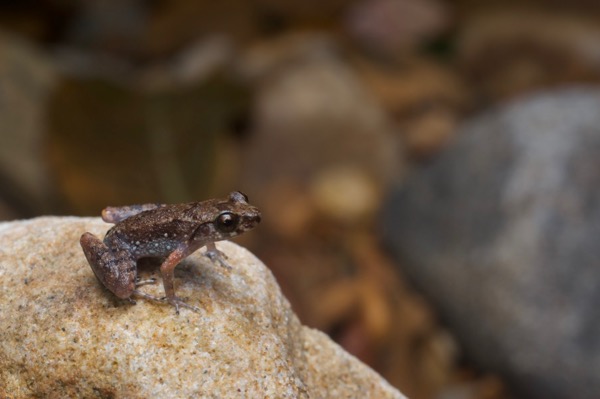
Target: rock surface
502	233
63	335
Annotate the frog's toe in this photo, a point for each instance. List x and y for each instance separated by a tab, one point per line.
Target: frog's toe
177	302
219	257
148	296
215	254
139	282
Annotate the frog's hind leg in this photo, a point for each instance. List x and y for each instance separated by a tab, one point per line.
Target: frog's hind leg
116	270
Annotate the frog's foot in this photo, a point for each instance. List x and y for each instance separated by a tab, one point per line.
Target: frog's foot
217	256
139	282
177	302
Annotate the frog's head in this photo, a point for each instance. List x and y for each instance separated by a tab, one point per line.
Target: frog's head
224	218
237	216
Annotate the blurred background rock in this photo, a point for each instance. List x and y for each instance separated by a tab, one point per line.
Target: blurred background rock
318	111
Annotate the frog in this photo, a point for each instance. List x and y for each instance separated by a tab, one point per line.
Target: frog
170	232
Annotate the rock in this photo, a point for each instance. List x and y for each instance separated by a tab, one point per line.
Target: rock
63	335
502	233
311	112
361	197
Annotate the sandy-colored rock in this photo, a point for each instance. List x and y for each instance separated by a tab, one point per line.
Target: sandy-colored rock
63	335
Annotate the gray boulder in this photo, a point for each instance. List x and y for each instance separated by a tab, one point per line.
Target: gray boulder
502	232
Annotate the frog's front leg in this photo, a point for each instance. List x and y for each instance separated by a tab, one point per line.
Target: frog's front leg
116	270
167	271
215	255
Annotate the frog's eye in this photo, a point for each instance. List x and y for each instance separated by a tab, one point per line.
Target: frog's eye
227	222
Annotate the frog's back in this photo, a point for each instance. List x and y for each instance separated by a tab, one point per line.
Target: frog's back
153	232
157	231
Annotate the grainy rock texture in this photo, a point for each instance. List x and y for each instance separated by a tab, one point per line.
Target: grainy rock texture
63	335
503	231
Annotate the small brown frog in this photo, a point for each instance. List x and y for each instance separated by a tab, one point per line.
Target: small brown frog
164	231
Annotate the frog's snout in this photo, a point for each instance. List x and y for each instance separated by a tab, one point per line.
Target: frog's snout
253	218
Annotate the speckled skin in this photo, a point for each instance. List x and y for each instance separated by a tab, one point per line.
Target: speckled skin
165	231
